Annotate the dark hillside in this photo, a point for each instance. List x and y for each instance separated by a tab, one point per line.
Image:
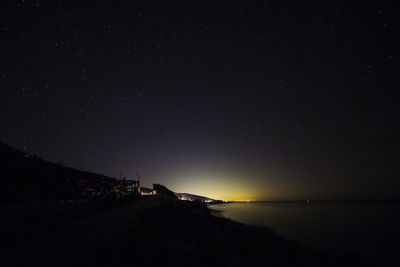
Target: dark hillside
26	177
161	231
150	231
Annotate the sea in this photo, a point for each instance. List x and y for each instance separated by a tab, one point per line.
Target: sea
368	231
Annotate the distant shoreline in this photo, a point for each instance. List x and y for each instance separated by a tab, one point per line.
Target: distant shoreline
323	201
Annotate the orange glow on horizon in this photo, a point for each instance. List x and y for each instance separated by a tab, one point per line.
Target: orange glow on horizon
227	188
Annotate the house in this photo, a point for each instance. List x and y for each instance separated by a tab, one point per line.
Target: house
146	191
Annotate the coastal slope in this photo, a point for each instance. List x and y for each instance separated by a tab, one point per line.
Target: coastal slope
158	231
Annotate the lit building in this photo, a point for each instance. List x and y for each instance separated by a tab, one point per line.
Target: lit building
144	191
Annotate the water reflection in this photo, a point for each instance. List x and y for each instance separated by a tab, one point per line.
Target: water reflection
370	231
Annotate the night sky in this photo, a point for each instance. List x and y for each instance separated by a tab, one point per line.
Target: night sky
236	100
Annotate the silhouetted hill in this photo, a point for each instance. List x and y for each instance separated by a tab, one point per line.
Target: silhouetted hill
26	177
187	196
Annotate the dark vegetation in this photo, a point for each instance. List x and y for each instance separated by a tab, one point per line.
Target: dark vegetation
26	177
163	192
159	231
143	231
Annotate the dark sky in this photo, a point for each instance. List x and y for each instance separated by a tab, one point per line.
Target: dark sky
259	100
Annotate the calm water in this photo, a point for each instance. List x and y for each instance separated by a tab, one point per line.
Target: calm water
367	231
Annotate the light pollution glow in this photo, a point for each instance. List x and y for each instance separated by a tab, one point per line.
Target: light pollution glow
221	187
